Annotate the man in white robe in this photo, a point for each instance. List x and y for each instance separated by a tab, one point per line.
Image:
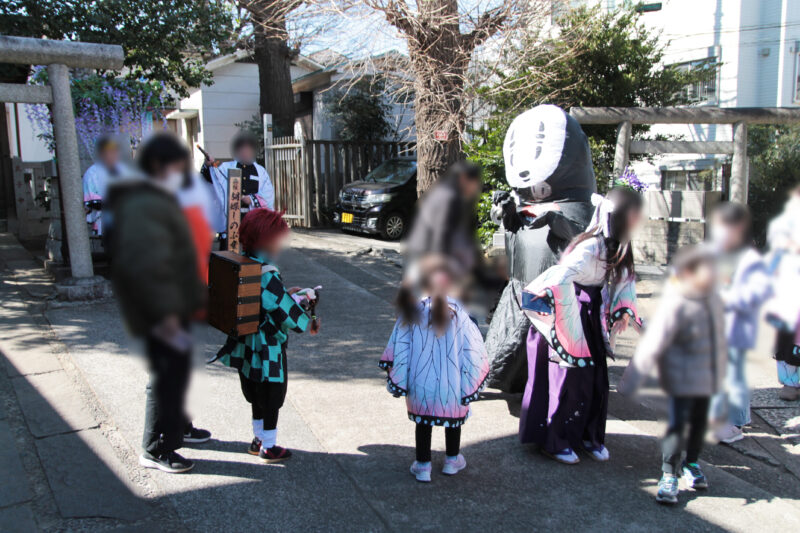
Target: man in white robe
257	189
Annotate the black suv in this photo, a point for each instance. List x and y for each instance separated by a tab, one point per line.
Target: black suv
383	202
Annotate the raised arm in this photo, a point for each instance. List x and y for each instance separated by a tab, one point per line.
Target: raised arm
583	264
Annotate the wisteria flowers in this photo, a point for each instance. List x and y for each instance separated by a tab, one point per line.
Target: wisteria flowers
630	180
103	105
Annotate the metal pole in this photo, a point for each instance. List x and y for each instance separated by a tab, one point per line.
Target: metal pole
69	172
622	151
739	178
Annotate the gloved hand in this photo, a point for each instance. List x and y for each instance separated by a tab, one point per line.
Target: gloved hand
560	225
504	210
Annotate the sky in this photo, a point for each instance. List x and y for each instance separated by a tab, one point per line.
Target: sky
361	32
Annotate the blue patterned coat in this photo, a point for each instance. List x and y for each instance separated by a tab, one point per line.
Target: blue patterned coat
439	374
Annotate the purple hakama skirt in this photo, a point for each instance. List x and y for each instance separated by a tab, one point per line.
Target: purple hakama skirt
562	407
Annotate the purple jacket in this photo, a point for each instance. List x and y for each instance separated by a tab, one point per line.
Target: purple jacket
750	287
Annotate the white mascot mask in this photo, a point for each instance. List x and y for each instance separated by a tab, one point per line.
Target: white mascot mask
533	148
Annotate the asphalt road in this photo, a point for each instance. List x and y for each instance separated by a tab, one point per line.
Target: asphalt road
354	443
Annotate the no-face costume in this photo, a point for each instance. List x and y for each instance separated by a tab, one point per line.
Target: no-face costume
549	167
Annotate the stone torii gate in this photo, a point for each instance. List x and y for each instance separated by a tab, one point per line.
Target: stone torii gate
739	117
60	56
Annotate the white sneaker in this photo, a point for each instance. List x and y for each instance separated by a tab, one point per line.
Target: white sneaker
566	456
598	453
729	434
421	471
454	466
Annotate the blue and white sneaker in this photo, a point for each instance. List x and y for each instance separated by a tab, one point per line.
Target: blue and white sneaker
421	471
566	456
598	453
668	489
694	476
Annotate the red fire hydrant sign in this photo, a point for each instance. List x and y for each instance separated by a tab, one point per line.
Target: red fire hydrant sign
440	135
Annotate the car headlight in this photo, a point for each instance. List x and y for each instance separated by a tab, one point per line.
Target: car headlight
376	199
341	195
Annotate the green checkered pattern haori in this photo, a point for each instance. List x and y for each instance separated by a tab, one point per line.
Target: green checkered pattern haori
258	356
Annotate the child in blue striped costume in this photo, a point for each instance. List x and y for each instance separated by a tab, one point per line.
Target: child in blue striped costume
261	357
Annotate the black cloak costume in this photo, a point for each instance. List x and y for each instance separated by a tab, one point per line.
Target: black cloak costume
548	161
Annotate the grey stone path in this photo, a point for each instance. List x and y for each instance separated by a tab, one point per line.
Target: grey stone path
72	398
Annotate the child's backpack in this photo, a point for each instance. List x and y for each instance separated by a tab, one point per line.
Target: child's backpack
234	293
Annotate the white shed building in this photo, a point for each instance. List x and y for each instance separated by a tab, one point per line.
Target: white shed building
209	115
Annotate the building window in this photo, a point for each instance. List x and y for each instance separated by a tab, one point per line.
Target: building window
687	180
700	92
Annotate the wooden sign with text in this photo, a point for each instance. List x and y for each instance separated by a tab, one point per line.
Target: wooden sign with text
234	208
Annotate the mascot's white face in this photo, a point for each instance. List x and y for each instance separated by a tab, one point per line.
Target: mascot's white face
533	147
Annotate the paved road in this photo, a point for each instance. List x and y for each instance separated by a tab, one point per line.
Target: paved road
353	441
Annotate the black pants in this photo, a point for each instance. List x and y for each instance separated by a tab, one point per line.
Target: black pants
452	439
683	412
164	419
265	398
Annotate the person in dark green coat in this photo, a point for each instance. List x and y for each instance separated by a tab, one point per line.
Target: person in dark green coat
154	272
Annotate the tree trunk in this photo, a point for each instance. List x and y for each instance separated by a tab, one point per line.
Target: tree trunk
434	156
439	60
274	58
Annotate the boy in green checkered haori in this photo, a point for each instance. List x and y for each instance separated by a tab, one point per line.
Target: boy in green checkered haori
261	357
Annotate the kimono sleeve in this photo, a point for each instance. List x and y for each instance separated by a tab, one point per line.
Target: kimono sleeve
395	359
581	265
563	328
91	187
266	192
623	302
473	360
280	306
219	197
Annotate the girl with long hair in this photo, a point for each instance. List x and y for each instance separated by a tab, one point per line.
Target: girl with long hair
436	359
576	307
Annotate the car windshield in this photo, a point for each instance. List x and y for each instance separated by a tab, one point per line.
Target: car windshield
393	171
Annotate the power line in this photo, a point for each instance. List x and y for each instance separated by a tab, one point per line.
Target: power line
732	30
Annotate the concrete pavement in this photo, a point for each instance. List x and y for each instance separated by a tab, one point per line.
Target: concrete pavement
353	441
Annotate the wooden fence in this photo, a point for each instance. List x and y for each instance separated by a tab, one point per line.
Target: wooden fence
287	168
308	174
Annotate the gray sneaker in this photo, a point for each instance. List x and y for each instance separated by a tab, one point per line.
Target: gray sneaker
454	466
668	489
421	471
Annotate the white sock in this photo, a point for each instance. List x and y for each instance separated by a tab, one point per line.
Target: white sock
258	427
268	438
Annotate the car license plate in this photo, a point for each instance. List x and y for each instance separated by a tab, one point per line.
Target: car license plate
347	218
